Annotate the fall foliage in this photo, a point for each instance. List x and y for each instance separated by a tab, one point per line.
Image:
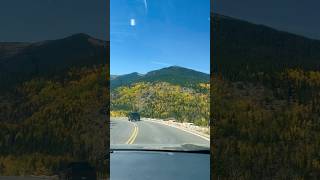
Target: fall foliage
46	123
163	100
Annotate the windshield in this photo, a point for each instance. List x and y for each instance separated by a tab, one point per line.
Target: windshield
160	65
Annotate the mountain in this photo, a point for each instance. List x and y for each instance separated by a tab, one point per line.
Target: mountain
45	86
22	61
239	46
267	85
127	79
8	49
174	75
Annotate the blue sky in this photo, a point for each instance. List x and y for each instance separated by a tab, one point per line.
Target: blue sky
151	34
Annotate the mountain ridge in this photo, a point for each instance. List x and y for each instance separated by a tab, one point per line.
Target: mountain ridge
172	74
23	61
240	46
227	17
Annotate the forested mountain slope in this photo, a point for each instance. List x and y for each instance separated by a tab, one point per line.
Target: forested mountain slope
23	61
240	46
172	92
53	105
265	102
174	75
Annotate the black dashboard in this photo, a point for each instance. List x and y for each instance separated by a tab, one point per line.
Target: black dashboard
156	165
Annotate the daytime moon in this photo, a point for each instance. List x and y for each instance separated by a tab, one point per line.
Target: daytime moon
132	22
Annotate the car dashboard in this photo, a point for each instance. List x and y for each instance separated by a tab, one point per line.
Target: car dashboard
156	165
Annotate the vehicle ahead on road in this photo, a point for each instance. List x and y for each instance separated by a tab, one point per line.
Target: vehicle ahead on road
157	162
79	170
134	116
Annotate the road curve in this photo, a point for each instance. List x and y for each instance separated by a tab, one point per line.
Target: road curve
146	132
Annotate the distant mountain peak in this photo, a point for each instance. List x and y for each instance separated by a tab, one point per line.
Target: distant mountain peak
79	38
217	15
137	74
174	74
177	68
28	60
80	35
242	45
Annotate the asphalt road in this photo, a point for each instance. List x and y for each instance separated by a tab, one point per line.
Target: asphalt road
146	132
141	132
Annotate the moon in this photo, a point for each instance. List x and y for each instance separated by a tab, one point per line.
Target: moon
132	22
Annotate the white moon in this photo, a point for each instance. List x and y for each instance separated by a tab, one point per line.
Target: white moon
132	22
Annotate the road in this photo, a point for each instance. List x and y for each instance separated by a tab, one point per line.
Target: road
142	132
146	132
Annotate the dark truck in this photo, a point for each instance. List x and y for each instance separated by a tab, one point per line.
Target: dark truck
134	116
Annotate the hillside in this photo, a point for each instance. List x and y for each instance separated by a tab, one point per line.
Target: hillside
172	92
239	46
174	75
123	80
23	61
265	102
53	105
9	49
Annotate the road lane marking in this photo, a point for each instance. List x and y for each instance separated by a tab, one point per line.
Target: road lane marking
133	135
